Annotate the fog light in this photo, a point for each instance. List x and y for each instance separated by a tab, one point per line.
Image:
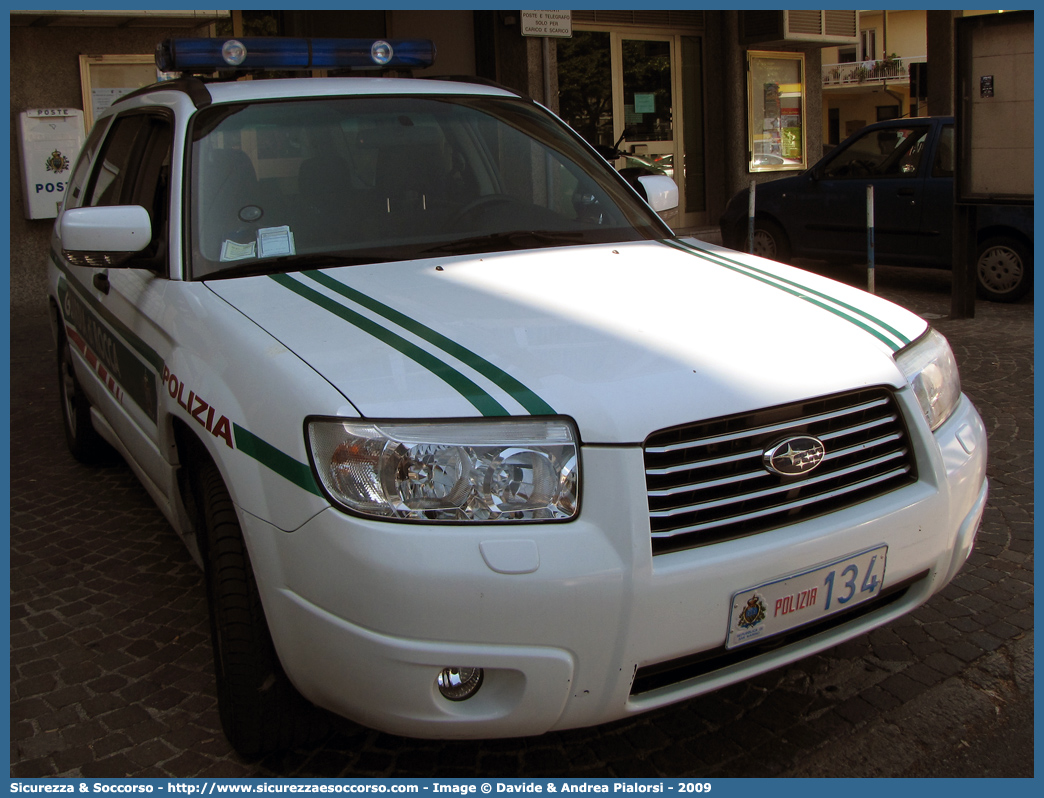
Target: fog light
459	684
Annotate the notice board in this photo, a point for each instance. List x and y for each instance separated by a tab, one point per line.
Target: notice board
106	78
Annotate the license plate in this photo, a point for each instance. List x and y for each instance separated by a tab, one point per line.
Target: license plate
776	607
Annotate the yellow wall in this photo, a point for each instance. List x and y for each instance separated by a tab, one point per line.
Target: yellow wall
907	34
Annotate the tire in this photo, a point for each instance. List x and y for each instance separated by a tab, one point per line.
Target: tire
1003	269
770	241
261	711
83	440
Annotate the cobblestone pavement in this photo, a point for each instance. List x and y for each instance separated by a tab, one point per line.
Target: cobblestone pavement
111	670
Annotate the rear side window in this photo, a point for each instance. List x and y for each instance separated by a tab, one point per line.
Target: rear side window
943	166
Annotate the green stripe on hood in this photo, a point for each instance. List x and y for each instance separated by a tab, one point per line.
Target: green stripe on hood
482	401
865	321
525	397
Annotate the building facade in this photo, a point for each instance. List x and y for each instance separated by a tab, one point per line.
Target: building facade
886	73
880	77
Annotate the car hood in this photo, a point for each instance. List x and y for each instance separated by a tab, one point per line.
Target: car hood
624	338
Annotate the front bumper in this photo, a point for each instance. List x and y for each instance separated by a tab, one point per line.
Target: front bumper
365	614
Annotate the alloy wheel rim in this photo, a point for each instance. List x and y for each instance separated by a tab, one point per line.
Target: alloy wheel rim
1000	269
764	245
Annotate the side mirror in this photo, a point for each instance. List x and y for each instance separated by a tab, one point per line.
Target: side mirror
105	235
661	191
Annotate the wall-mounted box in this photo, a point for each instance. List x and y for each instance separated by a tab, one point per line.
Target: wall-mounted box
779	28
49	139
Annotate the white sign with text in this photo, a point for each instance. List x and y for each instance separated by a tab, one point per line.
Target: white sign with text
547	23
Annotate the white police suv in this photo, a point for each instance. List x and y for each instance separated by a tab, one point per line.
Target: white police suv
468	443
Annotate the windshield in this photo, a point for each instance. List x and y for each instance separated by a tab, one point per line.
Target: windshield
286	185
892	152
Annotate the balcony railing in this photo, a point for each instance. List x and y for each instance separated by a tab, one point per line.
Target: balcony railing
869	72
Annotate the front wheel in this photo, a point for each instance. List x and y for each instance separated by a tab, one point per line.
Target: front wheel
261	711
770	241
84	442
1003	269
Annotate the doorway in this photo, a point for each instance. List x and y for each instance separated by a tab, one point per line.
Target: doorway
649	85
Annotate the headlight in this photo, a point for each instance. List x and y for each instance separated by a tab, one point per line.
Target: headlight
456	471
931	370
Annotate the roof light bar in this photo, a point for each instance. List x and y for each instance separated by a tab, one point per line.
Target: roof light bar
254	53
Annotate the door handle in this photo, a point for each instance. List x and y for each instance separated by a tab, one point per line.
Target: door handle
101	282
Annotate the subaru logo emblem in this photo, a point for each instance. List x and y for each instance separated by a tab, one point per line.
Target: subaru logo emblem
794	456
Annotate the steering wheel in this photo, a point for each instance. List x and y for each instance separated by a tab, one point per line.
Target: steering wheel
857	168
480	205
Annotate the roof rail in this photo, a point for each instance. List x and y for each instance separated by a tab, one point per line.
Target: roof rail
195	88
471	79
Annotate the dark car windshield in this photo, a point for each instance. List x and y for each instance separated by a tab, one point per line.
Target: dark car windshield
889	152
282	185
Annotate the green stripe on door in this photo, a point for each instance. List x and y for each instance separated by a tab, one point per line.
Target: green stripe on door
523	395
482	401
119	361
147	352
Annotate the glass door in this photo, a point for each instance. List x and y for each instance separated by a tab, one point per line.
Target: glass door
650	85
646	101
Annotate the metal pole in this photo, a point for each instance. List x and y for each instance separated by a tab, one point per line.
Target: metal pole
870	238
545	52
750	218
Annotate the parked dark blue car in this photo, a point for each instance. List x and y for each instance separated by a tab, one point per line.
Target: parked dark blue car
821	213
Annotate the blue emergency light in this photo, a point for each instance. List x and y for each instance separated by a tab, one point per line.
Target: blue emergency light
257	53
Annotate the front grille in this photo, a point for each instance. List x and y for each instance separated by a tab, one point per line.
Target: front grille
707	481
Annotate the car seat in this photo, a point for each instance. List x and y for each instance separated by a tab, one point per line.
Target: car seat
329	210
230	207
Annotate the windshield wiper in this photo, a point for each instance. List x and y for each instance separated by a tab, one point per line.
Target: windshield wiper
514	239
293	263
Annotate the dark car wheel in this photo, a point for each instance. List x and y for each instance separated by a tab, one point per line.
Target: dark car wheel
770	241
84	442
1003	269
261	711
